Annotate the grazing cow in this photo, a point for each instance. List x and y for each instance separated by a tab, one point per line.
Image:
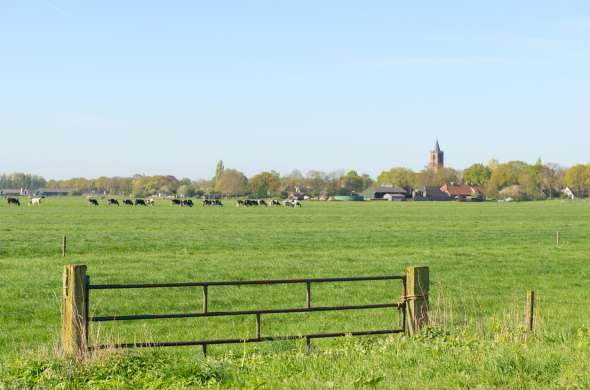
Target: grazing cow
211	202
240	203
140	202
187	202
113	201
35	201
176	202
250	202
262	202
275	202
150	202
13	201
128	202
92	202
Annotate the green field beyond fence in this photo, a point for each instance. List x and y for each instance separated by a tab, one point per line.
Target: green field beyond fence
483	257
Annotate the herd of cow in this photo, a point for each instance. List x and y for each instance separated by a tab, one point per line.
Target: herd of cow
175	202
16	202
264	203
152	202
126	202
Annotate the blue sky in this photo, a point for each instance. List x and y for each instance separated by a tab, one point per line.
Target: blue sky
117	88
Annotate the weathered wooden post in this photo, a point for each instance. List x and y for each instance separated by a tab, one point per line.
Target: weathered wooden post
417	286
557	238
75	309
64	246
530	310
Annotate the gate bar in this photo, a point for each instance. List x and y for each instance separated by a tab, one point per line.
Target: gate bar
240	341
132	317
244	282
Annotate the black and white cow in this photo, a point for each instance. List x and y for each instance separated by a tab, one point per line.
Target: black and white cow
113	201
128	202
140	202
187	202
13	201
92	202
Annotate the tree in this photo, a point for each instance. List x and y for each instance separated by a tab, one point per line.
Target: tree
493	164
352	183
505	175
477	174
317	182
185	190
185	181
22	180
398	177
232	182
292	181
219	169
577	178
264	184
429	178
529	181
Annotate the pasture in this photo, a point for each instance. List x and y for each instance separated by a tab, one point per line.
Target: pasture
483	257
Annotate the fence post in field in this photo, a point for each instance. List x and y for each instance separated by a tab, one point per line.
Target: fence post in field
417	285
75	309
530	310
64	246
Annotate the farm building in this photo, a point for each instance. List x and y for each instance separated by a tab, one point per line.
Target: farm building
462	191
430	193
569	193
572	193
391	193
54	192
14	191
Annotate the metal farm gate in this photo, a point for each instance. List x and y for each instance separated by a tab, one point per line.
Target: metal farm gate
413	306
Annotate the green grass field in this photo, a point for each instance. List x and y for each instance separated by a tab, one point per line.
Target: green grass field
483	257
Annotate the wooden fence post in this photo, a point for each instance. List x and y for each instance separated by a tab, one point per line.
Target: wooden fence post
75	310
417	285
64	246
530	310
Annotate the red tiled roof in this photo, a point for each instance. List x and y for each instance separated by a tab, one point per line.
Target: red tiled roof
460	189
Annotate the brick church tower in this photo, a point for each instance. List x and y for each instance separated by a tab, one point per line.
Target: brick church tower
437	158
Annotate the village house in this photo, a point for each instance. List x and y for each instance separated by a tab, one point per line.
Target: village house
569	193
462	191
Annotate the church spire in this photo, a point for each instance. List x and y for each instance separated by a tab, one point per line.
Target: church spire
437	158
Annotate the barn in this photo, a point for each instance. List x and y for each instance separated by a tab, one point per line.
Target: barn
391	193
53	192
430	193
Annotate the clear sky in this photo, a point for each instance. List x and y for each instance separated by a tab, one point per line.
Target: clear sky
91	88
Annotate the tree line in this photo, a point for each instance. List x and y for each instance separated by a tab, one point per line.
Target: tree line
516	179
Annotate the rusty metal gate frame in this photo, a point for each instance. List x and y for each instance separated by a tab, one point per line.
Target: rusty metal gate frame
401	306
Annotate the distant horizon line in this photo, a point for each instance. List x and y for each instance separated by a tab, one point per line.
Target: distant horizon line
304	173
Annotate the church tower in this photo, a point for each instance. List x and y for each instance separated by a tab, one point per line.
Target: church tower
437	158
